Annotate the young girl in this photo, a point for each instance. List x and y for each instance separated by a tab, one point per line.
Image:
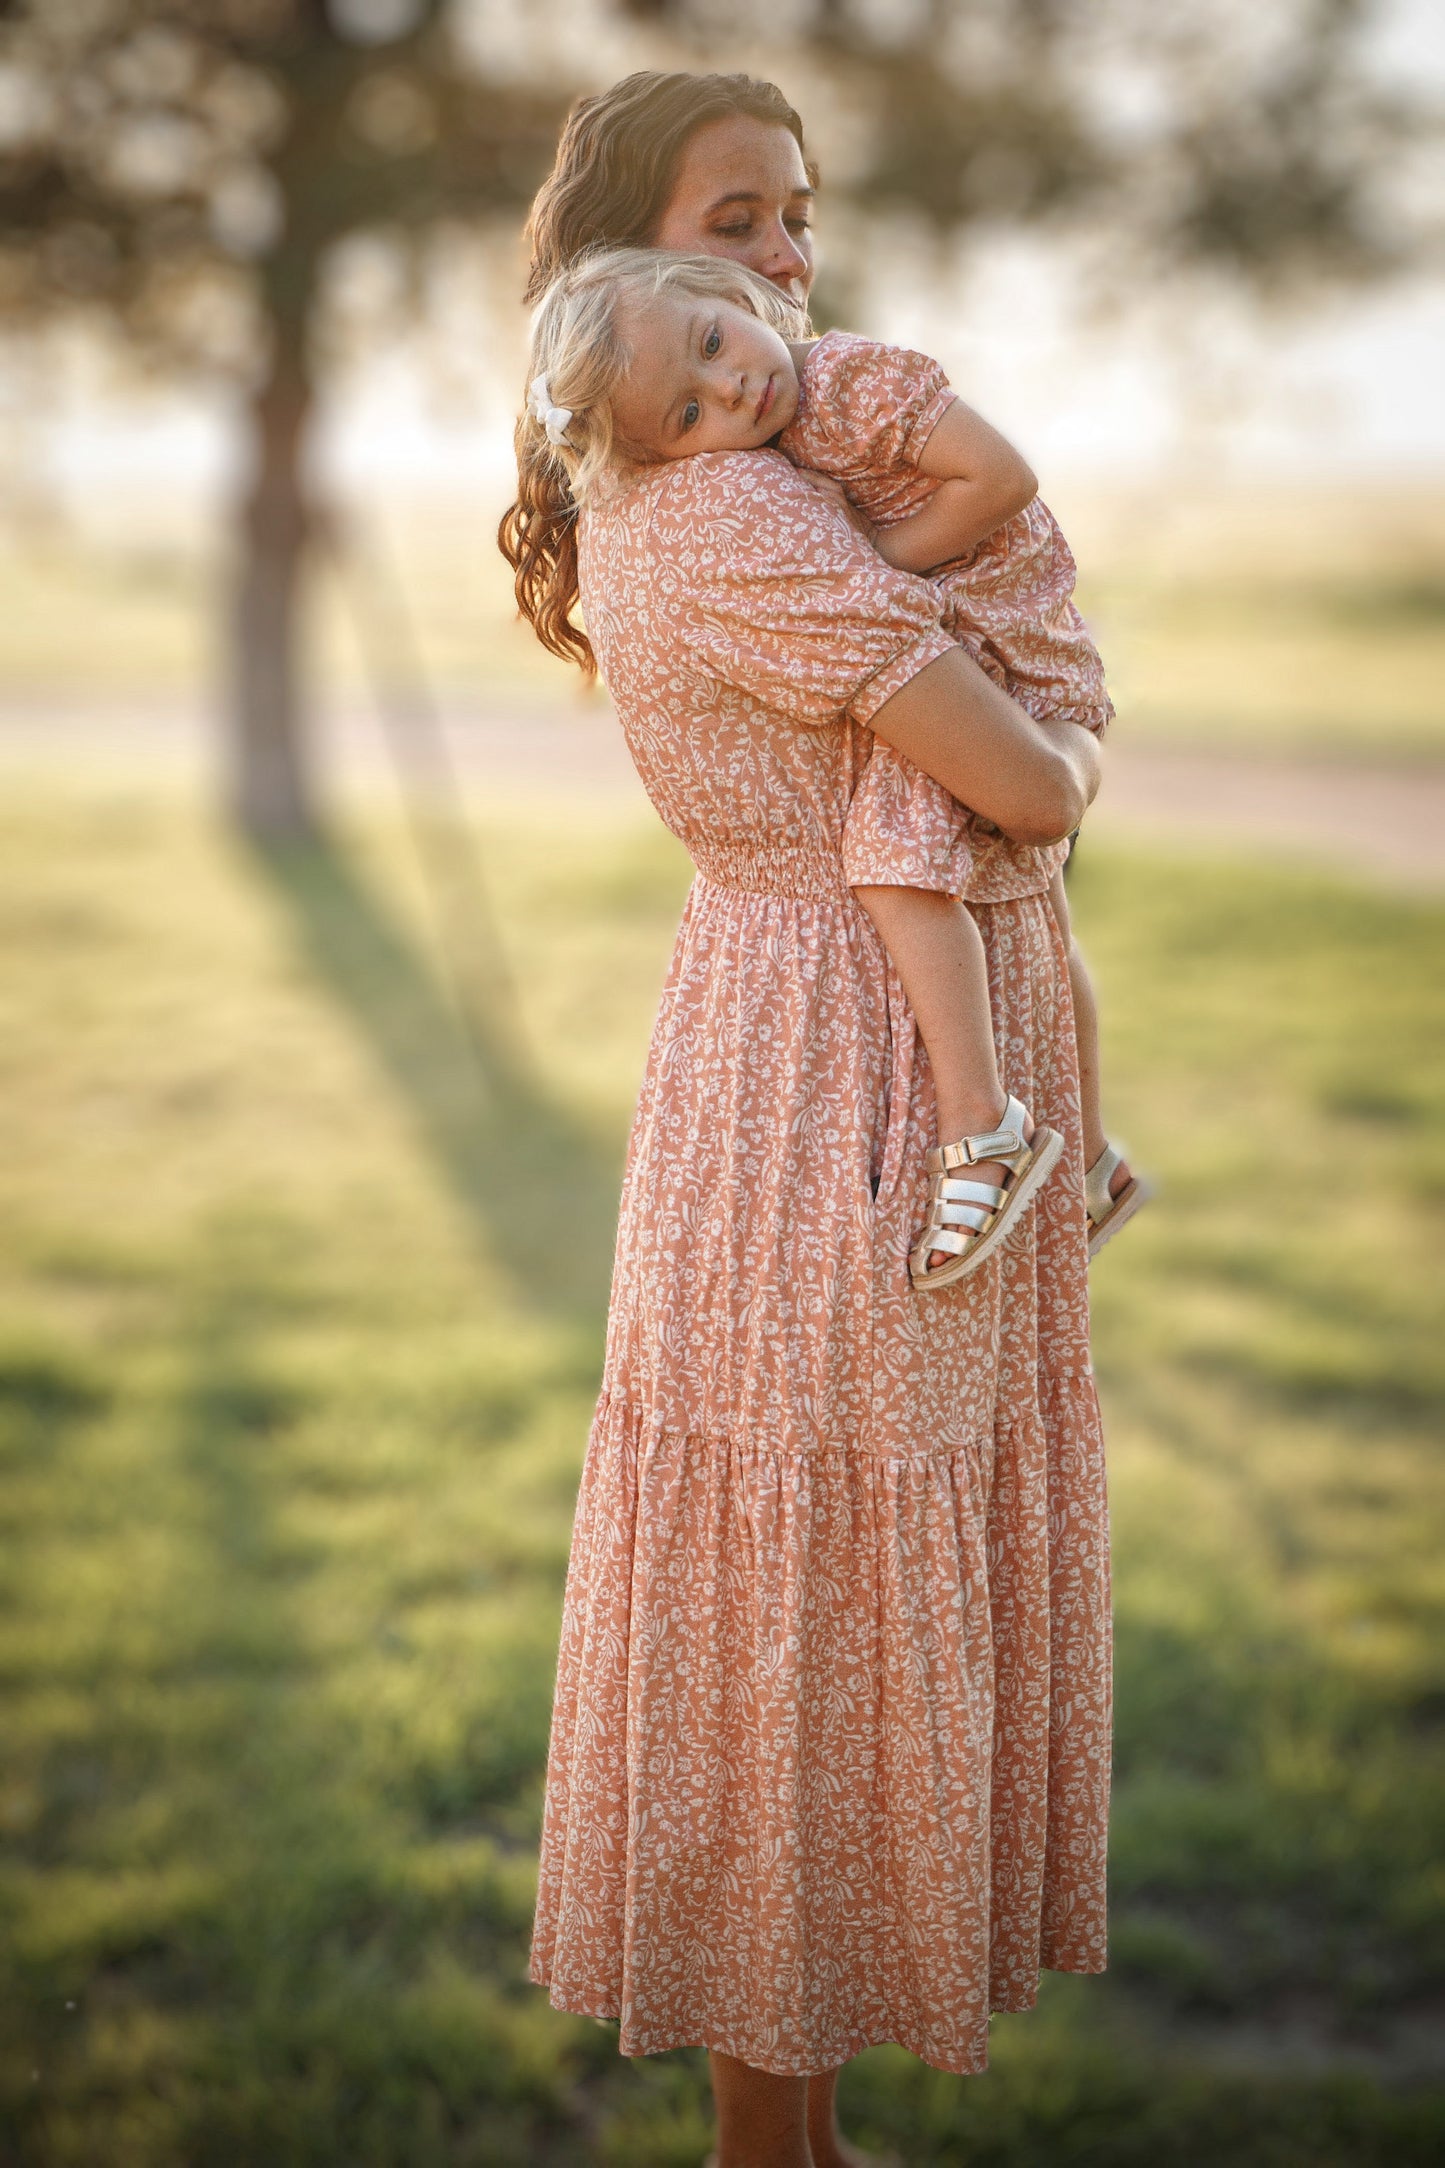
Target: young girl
640	357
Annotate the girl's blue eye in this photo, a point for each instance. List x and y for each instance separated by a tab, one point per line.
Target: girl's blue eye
690	414
711	344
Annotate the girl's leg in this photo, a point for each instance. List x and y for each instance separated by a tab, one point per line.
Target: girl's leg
762	2120
1086	1027
1086	1033
937	951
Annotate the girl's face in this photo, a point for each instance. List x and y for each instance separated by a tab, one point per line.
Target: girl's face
742	190
709	377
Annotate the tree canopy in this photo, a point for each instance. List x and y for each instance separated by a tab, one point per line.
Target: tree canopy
183	172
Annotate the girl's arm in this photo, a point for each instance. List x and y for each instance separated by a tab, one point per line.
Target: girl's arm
1035	780
984	482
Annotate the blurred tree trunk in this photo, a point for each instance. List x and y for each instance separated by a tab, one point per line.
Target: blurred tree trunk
271	782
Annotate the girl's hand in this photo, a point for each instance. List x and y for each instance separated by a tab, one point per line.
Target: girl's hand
839	498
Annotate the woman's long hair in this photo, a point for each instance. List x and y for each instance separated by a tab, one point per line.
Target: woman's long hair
580	355
618	157
610	183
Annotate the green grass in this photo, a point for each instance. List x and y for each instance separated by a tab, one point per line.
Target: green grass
295	1372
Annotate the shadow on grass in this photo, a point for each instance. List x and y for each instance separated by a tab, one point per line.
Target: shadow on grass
333	2016
540	1187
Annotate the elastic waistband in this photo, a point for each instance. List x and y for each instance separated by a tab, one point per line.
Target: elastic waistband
773	870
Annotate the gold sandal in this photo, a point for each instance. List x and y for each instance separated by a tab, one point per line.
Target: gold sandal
970	1220
1108	1214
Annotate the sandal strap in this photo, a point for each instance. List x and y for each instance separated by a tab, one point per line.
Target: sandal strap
1005	1142
943	1238
1098	1203
952	1192
960	1215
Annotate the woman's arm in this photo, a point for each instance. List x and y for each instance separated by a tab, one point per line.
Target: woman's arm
1035	780
984	481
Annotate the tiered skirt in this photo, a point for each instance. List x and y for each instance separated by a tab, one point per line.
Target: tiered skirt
830	1748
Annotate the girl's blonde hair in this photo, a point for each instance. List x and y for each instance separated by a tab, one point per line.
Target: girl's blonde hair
581	355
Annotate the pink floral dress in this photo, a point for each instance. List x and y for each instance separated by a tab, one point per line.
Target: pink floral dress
830	1745
865	413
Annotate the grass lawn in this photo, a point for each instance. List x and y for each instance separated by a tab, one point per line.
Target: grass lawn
302	1287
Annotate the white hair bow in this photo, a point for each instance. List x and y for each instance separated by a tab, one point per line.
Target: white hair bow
554	419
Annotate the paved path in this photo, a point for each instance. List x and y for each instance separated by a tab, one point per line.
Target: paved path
1386	821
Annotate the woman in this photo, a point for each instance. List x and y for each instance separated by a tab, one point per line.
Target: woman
830	1747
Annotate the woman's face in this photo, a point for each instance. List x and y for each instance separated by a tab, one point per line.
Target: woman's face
742	190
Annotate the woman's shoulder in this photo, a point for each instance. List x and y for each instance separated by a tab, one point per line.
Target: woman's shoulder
744	498
702	535
700	478
708	475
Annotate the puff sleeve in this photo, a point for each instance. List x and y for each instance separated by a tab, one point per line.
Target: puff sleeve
767	589
866	409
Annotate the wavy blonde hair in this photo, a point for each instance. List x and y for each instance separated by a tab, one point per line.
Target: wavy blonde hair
577	346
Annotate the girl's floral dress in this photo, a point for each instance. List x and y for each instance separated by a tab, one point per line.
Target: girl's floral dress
865	412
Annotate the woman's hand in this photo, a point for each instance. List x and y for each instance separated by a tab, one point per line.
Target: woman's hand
1035	780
